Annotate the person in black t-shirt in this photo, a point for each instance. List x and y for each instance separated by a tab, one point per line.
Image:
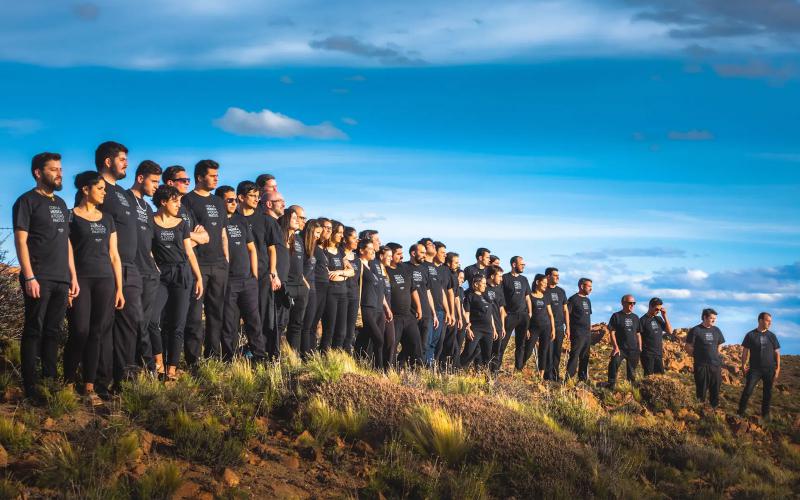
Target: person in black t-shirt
558	304
148	349
422	282
442	279
350	252
450	345
276	308
297	287
494	294
375	310
310	240
703	343
241	294
334	317
177	177
516	292
406	317
97	265
653	330
542	329
379	267
626	338
763	351
47	271
209	211
580	338
481	265
481	327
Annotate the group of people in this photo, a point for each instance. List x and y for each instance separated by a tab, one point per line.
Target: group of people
145	283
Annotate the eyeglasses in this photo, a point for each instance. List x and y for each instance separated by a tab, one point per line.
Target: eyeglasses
631	303
183	180
230	200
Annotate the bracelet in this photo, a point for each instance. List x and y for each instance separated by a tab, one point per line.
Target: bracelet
29	279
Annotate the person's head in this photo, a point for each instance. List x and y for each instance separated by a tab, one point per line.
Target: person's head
248	195
460	277
311	234
441	252
495	276
350	241
709	317
397	253
177	177
46	169
494	260
206	174
479	283
654	306
327	228
452	260
228	195
148	174
430	247
517	264
372	235
385	255
552	276
627	301
112	158
764	321
266	184
301	215
585	286
91	187
274	203
337	233
540	282
416	253
482	256
167	200
366	250
290	224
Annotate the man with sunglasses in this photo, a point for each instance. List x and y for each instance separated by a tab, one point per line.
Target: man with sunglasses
177	177
653	329
626	339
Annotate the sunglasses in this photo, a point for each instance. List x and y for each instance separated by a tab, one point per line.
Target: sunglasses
631	303
184	180
230	200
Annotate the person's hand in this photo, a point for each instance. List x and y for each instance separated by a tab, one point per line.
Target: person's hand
389	315
119	300
32	289
276	283
199	229
615	352
460	323
435	322
333	274
663	312
503	333
470	335
74	289
528	335
418	314
553	334
777	374
198	289
494	334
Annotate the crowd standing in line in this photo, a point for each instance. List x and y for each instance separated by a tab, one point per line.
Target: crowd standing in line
143	286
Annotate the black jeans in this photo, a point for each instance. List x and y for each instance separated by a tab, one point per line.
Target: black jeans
171	307
406	333
767	377
90	318
41	331
479	349
544	353
515	322
149	342
524	343
352	314
555	353
241	303
372	334
580	343
708	378
334	319
652	363
450	348
297	313
632	361
118	353
212	303
308	334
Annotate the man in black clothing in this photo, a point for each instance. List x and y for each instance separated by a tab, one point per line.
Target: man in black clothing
580	333
626	339
372	235
480	266
47	270
517	296
405	307
558	303
148	173
703	343
762	349
653	330
118	357
494	294
438	279
451	346
209	211
422	283
267	184
278	310
177	177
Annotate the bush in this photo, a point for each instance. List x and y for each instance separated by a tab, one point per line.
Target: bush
662	392
432	431
14	436
326	421
457	383
329	367
575	409
205	441
150	403
159	482
10	488
60	400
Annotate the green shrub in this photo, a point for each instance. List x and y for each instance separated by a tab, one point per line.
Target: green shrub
573	409
326	421
663	392
14	436
205	440
330	366
399	475
10	489
150	403
159	482
432	431
60	400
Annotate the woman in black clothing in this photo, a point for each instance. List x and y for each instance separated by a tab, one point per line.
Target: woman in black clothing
296	285
334	316
481	328
375	310
311	235
97	265
173	252
320	278
542	329
378	266
349	247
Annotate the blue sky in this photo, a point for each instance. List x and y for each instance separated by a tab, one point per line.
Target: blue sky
652	146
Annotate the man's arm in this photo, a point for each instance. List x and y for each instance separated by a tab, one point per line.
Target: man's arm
74	288
25	268
613	334
225	244
566	319
199	236
251	249
530	305
417	303
777	363
745	357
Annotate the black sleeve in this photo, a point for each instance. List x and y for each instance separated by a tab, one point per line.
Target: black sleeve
22	214
465	302
612	323
690	336
747	343
775	343
112	228
721	338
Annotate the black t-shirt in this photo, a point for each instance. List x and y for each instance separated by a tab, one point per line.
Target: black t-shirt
309	263
653	329
494	294
120	204
297	258
541	320
377	269
321	267
144	219
762	348
580	314
336	263
187	217
209	211
421	279
372	287
471	271
436	277
281	250
625	326
46	221
168	247
480	312
515	289
706	342
558	297
239	236
266	232
401	286
352	282
90	240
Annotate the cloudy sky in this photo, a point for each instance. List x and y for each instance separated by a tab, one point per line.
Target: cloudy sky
651	145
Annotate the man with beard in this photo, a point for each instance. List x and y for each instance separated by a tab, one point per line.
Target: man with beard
403	294
422	282
451	347
516	292
626	339
580	338
277	314
482	256
47	270
558	303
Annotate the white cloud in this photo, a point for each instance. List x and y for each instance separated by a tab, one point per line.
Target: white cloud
268	123
696	274
20	126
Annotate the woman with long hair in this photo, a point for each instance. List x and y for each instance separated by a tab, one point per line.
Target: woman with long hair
375	310
334	316
349	247
481	326
320	278
296	285
97	264
311	235
542	329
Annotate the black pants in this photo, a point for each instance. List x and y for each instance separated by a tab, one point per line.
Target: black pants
425	326
555	353
708	378
90	320
171	307
212	303
334	319
450	349
118	354
652	363
373	335
544	352
767	377
406	334
478	350
580	342
524	343
632	361
352	314
149	341
389	344
41	331
241	303
515	322
297	312
308	334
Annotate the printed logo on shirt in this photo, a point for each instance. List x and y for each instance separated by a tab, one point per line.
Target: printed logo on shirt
234	232
491	294
337	262
628	323
417	276
142	216
539	303
554	297
398	278
585	305
708	337
654	325
517	286
212	211
123	200
57	215
763	340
